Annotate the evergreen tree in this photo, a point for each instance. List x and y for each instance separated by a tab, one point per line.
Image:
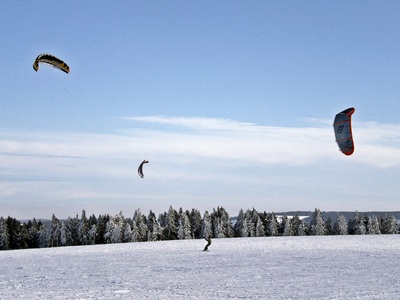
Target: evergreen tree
128	234
184	231
317	226
358	226
271	225
44	236
24	236
340	226
73	228
139	225
206	229
151	219
299	226
16	239
64	234
220	223
135	234
4	235
287	231
92	234
246	230
240	223
55	232
328	227
92	220
229	233
163	219
250	221
196	223
33	234
295	223
101	228
171	226
114	229
218	227
260	232
84	227
154	228
390	225
302	228
187	228
373	225
157	234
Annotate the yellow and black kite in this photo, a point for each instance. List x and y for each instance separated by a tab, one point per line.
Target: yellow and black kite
50	60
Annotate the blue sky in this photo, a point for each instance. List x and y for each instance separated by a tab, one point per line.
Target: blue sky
232	102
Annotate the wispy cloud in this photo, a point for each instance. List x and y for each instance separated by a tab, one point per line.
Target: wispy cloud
228	139
197	159
40	155
196	123
191	141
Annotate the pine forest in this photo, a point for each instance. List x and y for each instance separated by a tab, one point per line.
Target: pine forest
179	225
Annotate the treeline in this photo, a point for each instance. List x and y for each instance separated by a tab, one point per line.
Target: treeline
173	225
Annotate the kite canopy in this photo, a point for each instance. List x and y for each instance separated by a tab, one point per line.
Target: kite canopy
343	133
140	169
50	60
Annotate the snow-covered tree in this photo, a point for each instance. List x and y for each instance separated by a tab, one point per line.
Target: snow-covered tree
237	228
157	233
328	227
171	224
33	233
220	223
4	235
227	224
139	227
206	229
260	232
317	226
127	236
92	234
243	226
373	225
114	229
135	233
255	224
250	217
184	230
271	225
196	223
340	226
63	234
73	228
44	236
358	226
154	228
390	225
55	233
287	231
302	229
84	228
101	228
299	226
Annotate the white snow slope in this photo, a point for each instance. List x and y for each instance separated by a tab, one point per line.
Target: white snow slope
327	267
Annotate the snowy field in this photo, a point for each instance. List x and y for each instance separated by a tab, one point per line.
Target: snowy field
331	267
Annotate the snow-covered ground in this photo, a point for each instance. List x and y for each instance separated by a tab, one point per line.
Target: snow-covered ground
327	267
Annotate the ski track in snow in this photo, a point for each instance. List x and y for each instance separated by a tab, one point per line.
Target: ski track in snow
327	267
